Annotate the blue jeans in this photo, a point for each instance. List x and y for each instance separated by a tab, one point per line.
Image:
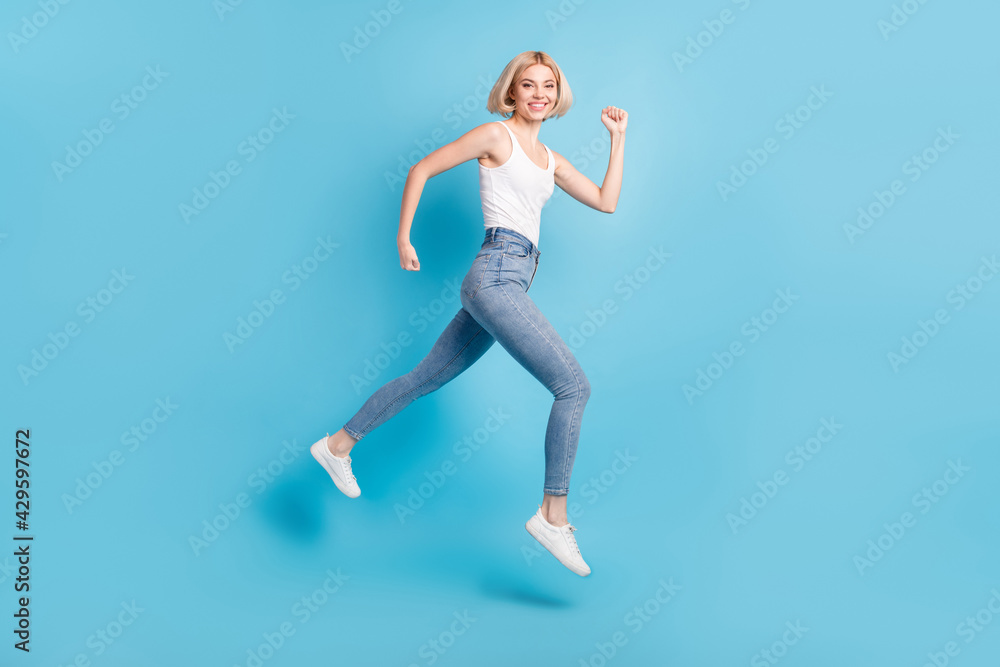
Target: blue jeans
496	307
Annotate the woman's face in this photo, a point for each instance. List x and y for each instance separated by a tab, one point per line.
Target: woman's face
535	92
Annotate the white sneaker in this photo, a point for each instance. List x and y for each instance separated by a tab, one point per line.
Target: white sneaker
559	541
338	467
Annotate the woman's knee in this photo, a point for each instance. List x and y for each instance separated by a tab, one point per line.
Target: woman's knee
576	386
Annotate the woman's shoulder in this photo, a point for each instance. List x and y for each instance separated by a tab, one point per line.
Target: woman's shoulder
492	125
490	129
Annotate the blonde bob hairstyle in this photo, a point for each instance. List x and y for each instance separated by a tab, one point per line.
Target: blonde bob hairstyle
500	100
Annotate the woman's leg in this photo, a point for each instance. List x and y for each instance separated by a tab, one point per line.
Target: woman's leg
504	309
459	346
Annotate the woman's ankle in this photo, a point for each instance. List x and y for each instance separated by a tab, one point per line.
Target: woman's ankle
340	443
554	509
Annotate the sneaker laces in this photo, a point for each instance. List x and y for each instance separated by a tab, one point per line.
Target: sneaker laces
572	540
347	469
567	531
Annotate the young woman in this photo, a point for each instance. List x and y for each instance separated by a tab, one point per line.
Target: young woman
517	174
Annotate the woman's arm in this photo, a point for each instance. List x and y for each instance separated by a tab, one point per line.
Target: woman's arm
584	190
476	143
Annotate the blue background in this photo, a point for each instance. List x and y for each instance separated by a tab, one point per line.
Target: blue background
666	517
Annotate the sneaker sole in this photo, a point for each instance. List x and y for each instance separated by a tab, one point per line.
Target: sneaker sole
317	452
540	538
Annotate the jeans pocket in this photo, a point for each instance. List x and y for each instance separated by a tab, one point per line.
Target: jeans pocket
516	249
474	278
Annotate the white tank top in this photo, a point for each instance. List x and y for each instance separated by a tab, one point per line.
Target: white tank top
514	193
